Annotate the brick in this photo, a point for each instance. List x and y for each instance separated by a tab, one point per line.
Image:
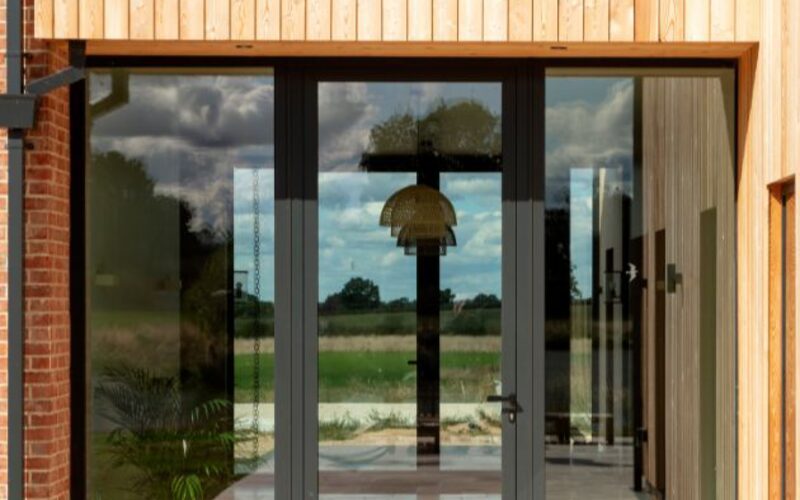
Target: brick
47	266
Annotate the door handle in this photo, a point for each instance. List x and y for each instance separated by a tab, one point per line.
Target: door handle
510	405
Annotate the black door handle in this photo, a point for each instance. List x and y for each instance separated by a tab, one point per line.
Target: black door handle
511	406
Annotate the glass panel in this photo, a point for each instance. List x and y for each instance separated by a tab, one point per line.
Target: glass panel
409	310
639	283
180	284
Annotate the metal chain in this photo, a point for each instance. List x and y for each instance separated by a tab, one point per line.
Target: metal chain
256	313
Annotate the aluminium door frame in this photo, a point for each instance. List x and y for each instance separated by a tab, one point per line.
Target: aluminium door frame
412	71
295	222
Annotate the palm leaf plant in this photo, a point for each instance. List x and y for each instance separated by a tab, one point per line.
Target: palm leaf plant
173	452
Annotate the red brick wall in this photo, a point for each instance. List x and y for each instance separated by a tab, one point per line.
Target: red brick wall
47	391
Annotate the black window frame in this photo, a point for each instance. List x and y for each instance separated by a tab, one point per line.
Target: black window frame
293	75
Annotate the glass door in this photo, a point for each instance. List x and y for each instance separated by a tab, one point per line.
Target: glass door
414	336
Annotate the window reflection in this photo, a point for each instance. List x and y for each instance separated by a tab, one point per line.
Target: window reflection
409	328
637	163
176	405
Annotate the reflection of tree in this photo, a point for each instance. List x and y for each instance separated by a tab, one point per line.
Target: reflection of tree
465	127
148	254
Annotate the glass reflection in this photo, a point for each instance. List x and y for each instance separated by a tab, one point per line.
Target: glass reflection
409	334
180	401
636	166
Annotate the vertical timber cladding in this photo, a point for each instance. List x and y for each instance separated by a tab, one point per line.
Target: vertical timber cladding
685	149
390	20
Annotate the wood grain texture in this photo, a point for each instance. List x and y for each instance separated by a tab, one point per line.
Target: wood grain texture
43	19
293	20
192	23
545	20
596	20
65	14
445	20
167	25
268	19
697	20
722	14
570	20
142	20
495	20
791	346
343	20
775	339
520	20
470	20
420	20
647	21
395	20
621	21
419	49
318	20
243	19
115	20
671	19
369	20
90	19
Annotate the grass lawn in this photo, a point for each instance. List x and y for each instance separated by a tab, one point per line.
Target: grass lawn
379	376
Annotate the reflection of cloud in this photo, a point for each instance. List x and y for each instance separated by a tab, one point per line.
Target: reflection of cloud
473	185
345	116
589	134
198	110
191	132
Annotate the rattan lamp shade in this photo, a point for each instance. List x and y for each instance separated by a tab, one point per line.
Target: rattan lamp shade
422	219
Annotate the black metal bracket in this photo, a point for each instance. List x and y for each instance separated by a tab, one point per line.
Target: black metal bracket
674	278
18	111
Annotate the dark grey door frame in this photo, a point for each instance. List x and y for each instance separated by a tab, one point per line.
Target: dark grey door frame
518	213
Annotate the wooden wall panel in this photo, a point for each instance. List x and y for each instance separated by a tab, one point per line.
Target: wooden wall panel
647	23
369	20
671	18
268	15
570	20
343	19
293	19
697	21
520	20
420	20
414	20
192	22
545	20
116	20
395	21
722	14
243	19
167	20
65	14
318	20
445	20
142	20
495	20
43	19
470	20
595	20
621	21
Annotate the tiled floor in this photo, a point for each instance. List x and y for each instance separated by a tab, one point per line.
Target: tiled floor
587	472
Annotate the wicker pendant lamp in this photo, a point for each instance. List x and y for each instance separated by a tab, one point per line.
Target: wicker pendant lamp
422	219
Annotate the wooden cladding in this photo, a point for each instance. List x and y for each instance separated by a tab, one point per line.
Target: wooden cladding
782	342
392	20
